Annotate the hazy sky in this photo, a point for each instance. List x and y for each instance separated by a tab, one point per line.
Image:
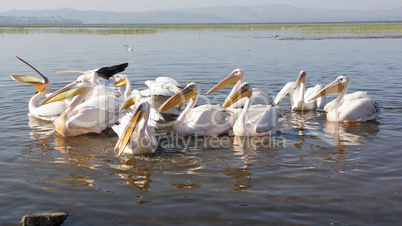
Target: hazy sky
152	5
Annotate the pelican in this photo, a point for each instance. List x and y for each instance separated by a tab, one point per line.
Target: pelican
236	78
47	112
354	107
257	120
159	90
204	120
92	116
135	135
299	96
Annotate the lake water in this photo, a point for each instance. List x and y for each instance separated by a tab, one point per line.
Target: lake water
312	172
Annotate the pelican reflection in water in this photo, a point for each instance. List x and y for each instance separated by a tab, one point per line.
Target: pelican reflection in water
350	134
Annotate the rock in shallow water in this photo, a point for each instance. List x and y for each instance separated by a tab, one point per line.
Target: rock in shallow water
44	219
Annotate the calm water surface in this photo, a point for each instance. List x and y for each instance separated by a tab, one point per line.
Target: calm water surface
312	172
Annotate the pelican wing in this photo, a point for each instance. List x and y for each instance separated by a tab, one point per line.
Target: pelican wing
105	106
50	110
311	92
348	97
268	118
286	90
361	109
167	79
156	91
208	119
91	118
106	102
107	72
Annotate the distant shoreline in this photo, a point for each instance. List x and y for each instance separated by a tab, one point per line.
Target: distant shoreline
374	29
198	24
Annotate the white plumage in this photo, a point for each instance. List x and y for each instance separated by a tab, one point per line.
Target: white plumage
92	116
48	112
135	135
355	107
254	120
299	96
204	120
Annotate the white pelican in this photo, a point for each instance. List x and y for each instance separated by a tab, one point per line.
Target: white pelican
354	107
92	116
204	120
135	136
159	90
236	78
47	112
257	120
299	96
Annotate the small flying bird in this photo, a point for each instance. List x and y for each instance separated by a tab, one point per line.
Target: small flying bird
128	48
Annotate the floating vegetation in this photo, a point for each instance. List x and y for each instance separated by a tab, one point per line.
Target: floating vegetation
357	28
86	30
353	28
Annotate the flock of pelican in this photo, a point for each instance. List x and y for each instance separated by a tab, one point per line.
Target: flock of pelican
96	101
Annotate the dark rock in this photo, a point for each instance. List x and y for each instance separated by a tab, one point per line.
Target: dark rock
44	219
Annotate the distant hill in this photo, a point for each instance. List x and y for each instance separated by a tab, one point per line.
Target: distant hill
28	20
223	14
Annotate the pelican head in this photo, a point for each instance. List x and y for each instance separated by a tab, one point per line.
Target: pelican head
73	89
244	91
189	92
119	80
300	79
233	78
90	75
335	87
141	112
41	84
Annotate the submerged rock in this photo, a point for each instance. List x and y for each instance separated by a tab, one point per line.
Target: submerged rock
44	219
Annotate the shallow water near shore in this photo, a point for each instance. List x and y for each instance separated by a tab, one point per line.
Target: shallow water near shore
311	172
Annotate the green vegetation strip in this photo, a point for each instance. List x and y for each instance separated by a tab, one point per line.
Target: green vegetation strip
355	28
